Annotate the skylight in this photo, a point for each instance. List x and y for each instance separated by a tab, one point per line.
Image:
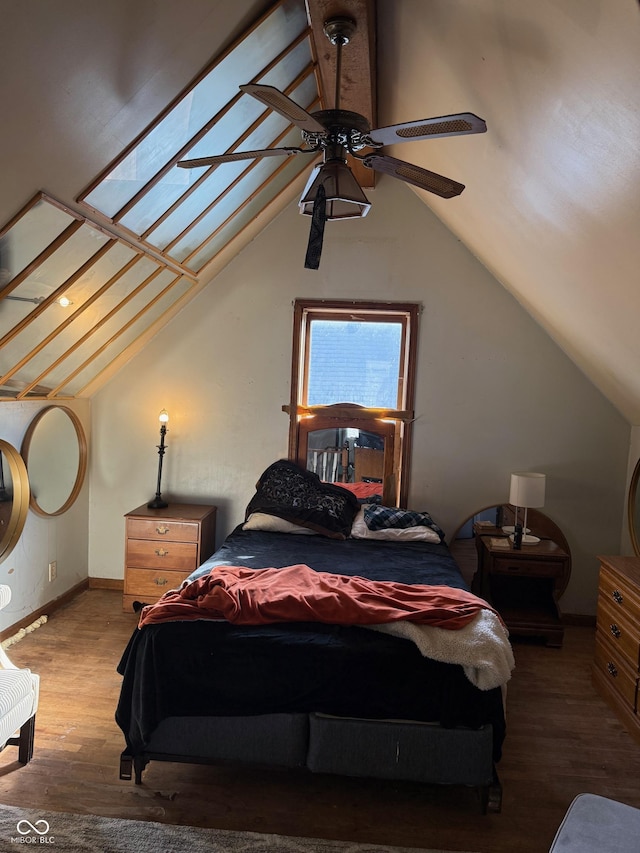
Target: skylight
131	254
73	298
188	216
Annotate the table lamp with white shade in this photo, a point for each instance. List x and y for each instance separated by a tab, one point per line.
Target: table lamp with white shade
527	490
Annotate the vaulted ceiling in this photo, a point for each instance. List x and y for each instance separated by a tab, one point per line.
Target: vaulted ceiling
552	199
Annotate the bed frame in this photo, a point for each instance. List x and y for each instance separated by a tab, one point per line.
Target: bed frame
382	749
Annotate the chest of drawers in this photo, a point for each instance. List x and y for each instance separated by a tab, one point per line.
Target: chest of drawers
616	667
163	547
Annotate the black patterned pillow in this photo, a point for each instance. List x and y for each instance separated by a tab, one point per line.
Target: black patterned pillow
290	492
382	517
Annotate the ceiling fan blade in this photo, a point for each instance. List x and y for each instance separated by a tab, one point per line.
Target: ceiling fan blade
429	128
416	175
281	103
242	155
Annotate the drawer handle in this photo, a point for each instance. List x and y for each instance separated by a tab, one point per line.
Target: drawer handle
161	581
161	552
162	529
615	631
611	667
617	596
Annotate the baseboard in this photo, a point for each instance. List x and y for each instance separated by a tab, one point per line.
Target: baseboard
107	583
47	609
580	619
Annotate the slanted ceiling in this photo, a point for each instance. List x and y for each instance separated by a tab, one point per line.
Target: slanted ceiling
552	198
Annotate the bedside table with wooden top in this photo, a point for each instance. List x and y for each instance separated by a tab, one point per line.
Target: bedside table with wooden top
163	547
524	585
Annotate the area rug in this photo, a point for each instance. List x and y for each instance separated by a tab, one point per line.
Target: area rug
72	833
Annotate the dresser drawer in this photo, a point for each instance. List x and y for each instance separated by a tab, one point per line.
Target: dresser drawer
620	632
506	565
613	667
172	556
619	593
150	584
149	528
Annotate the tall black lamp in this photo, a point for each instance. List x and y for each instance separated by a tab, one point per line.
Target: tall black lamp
157	502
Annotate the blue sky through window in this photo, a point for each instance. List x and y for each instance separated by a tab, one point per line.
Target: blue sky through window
354	362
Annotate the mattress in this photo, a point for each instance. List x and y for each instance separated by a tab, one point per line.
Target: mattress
213	668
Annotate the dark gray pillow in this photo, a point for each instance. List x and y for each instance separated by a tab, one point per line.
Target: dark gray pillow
290	492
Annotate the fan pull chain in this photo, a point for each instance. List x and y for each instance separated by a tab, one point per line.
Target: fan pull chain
316	232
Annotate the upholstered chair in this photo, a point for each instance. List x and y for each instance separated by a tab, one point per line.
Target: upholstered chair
19	689
595	824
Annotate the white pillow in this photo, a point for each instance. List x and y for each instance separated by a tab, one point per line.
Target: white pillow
359	530
274	524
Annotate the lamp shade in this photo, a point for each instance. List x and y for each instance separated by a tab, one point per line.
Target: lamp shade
527	489
344	196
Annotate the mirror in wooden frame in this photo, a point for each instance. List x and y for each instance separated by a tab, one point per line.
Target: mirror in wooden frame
55	453
14	497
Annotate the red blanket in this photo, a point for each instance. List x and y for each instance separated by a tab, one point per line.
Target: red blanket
299	594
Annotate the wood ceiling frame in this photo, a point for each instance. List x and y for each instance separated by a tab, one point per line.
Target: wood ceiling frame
359	81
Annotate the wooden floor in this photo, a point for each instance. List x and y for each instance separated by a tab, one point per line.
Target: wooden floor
562	740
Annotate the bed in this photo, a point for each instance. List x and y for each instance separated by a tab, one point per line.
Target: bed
378	699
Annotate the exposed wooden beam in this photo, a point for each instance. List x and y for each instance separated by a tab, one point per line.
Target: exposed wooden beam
358	77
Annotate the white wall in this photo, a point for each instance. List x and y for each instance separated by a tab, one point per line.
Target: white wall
494	393
63	538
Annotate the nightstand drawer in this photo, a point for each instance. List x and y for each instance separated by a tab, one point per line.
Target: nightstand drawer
612	666
619	631
178	531
150	584
526	566
172	556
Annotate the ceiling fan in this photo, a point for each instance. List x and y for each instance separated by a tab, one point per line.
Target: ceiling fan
332	191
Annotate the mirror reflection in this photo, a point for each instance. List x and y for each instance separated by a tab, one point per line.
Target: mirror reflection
6	492
354	452
14	497
54	450
633	510
346	455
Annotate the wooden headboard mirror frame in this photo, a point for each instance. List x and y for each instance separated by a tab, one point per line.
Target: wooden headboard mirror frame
633	509
348	417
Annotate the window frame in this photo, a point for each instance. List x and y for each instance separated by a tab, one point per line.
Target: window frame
343	412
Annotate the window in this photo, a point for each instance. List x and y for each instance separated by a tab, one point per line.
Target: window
353	370
190	216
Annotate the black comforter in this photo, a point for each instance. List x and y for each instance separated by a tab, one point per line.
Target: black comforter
211	668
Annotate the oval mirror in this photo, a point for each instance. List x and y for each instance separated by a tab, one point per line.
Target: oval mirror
14	497
633	510
55	453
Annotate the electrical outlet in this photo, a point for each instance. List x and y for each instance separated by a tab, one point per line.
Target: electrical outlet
53	570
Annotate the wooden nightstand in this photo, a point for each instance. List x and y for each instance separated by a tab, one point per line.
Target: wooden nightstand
524	585
163	547
616	668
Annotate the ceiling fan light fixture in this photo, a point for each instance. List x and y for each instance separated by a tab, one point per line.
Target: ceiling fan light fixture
344	196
